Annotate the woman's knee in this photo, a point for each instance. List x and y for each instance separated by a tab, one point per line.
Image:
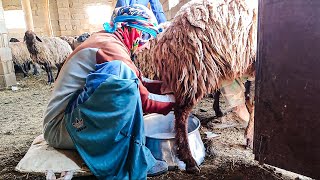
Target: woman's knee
58	140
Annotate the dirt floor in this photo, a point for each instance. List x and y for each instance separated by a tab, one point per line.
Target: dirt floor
21	114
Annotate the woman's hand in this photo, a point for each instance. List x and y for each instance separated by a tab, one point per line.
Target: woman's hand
166	90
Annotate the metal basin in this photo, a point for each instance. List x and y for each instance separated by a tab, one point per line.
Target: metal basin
160	139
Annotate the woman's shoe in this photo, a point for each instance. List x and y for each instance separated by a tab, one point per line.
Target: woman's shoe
161	167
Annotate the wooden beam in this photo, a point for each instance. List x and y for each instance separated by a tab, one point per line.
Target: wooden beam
27	14
48	18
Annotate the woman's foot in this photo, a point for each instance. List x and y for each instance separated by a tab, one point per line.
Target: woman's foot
159	168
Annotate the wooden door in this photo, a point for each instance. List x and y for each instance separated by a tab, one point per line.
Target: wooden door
287	116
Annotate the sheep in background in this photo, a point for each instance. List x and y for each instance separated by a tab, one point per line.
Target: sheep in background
21	57
83	37
70	40
75	41
208	43
14	40
47	52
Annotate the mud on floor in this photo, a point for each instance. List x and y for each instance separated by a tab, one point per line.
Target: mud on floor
227	158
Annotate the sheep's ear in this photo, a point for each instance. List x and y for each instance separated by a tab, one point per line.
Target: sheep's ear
38	39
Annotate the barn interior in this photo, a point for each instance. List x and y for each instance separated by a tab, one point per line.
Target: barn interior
23	99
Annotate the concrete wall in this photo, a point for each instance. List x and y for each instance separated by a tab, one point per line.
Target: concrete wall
7	76
70	17
39	14
13	5
73	16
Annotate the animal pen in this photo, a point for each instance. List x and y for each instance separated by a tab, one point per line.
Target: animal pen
285	92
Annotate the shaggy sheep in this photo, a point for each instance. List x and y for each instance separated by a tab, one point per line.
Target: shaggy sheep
144	58
47	52
208	43
145	62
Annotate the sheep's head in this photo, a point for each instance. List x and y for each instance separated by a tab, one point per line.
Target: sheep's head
83	37
30	37
14	40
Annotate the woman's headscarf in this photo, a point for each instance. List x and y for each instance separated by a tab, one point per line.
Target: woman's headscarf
134	23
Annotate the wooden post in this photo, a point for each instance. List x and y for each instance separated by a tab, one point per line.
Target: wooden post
48	19
27	14
114	2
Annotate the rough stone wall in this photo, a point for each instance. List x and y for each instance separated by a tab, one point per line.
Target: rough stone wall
74	19
171	12
11	4
69	17
7	76
54	17
39	14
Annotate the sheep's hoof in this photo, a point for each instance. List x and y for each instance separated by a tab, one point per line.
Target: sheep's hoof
219	114
193	170
249	143
249	137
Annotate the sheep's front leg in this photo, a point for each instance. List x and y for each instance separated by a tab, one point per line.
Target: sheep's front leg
183	150
49	73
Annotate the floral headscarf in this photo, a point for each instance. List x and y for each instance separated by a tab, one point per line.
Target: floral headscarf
133	22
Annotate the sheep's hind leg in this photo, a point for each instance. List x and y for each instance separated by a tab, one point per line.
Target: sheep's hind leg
24	70
35	69
183	150
216	104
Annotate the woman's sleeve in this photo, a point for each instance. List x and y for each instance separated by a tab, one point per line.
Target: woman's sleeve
154	103
122	3
158	11
151	103
153	86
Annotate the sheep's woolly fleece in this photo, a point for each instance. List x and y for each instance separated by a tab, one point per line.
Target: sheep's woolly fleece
59	49
145	61
20	53
208	42
52	50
